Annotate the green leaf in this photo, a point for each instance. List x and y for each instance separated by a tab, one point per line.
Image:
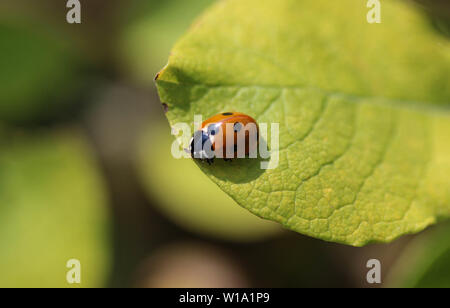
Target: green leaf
363	112
425	263
52	209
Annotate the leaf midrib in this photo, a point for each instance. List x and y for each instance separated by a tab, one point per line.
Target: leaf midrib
438	107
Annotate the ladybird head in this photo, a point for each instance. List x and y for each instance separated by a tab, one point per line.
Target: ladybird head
197	144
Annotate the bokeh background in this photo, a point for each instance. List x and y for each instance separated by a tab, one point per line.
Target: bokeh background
86	170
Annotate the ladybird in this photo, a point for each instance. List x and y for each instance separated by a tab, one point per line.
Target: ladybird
216	127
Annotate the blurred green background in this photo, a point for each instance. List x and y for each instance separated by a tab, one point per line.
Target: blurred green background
86	170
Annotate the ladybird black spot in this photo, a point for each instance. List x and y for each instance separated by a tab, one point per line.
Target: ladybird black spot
213	129
227	113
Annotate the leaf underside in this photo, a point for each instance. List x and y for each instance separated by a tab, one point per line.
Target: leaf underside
363	112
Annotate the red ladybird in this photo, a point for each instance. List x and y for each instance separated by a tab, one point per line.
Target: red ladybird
216	127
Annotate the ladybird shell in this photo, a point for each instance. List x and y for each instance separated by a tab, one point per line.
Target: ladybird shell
212	126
